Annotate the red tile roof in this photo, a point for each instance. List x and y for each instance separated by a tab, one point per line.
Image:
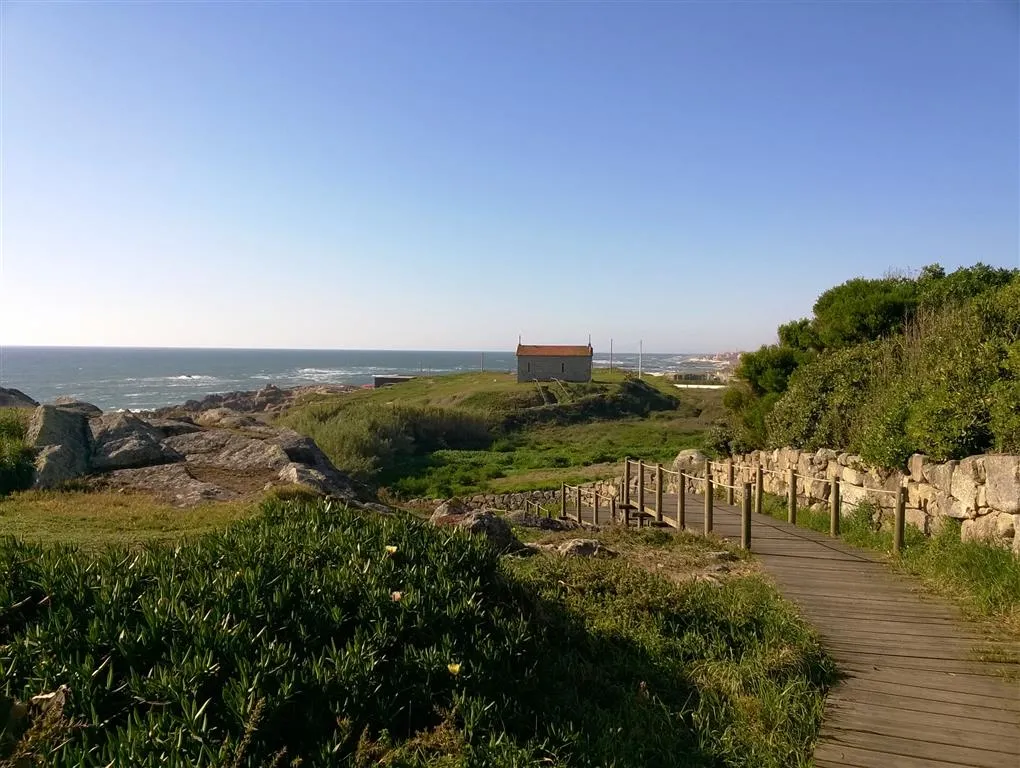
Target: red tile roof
553	350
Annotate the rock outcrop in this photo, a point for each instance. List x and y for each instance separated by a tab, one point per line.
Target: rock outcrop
480	521
270	399
185	463
62	442
15	398
123	441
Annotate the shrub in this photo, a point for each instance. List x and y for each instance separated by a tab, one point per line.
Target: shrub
824	398
16	467
319	634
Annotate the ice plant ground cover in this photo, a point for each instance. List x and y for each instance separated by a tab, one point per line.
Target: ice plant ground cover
315	635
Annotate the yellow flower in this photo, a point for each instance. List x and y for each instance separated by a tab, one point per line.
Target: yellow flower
454	668
391	550
396	596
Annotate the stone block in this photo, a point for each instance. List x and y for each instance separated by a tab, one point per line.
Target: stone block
1002	483
990	529
940	475
965	483
916	518
850	476
915	464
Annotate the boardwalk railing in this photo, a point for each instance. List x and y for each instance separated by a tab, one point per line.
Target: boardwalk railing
653	478
721	476
573	496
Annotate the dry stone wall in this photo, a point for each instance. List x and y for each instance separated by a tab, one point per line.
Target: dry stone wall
983	492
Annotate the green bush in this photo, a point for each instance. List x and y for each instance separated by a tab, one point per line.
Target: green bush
881	438
369	440
324	635
16	457
821	406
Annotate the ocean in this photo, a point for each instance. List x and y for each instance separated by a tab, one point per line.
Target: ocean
116	378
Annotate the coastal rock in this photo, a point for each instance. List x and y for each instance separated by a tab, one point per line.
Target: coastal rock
302	474
270	399
584	548
15	398
224	418
73	404
172	483
55	465
530	520
172	427
228	451
482	522
123	441
61	439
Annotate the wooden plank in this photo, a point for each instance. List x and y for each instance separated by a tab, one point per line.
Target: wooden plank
848	756
858	713
1002	702
904	746
911	704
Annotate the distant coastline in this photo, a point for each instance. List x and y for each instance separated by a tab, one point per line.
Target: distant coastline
138	379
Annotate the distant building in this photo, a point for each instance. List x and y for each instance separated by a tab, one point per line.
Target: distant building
545	362
386	381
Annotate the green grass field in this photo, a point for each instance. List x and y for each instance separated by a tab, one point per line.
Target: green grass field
470	433
98	519
323	635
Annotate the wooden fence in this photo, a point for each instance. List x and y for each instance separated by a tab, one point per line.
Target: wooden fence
648	499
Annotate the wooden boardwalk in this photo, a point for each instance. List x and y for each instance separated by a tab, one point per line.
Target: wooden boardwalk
914	694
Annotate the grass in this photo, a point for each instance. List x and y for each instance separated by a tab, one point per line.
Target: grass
983	580
543	457
16	468
320	634
472	433
97	519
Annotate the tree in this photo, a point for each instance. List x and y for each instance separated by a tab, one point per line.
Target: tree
862	310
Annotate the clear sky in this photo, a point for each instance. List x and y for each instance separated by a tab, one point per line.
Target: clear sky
450	175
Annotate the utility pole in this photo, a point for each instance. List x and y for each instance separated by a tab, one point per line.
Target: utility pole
610	354
481	364
640	359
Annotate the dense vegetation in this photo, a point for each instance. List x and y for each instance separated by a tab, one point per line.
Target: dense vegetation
460	434
889	367
15	454
317	635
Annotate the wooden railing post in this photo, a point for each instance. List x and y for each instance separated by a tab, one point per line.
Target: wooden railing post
899	522
708	498
640	487
681	501
759	489
791	506
834	507
745	517
595	507
658	493
729	481
626	481
578	503
612	508
563	499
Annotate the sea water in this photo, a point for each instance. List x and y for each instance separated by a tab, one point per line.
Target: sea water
139	379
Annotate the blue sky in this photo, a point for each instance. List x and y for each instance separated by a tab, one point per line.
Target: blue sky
450	175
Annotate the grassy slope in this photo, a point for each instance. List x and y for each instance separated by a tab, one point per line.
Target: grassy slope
481	661
983	580
533	456
93	520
